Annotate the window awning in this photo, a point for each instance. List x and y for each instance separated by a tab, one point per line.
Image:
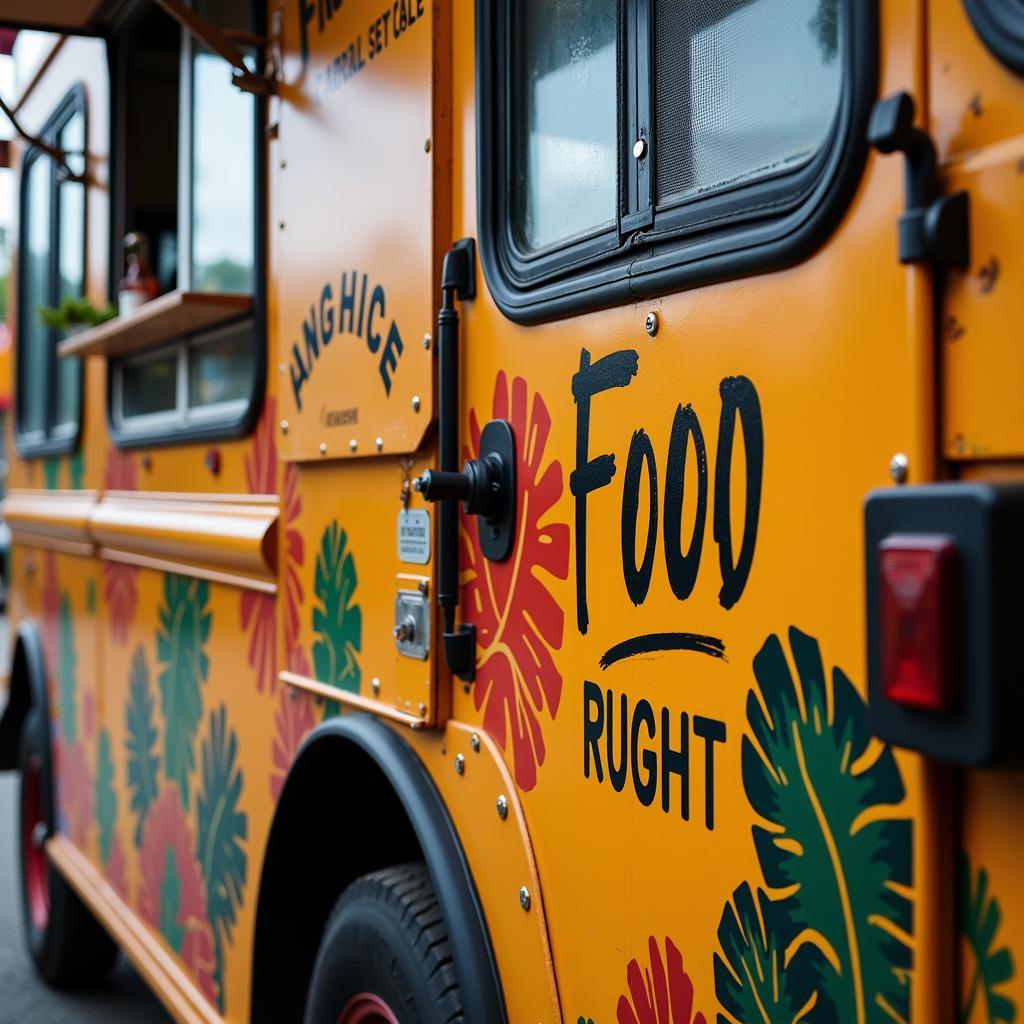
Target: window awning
72	16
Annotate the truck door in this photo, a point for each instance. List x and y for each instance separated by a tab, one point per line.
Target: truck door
692	314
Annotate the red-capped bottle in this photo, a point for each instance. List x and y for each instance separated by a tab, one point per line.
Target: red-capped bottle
139	283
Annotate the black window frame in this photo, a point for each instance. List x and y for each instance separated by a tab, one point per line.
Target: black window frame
768	224
124	435
72	103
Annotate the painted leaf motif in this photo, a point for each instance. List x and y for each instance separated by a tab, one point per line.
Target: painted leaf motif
258	613
184	665
661	993
812	771
120	592
50	602
116	869
294	557
519	621
293	720
66	671
222	832
169	878
338	623
752	980
76	469
76	792
106	798
142	761
989	967
51	472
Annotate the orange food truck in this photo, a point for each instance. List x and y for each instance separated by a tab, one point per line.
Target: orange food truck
540	540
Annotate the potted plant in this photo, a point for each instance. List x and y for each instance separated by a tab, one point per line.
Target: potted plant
74	315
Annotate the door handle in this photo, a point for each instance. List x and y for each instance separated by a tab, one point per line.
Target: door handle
934	228
486	485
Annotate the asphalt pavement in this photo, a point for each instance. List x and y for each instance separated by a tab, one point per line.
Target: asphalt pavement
24	999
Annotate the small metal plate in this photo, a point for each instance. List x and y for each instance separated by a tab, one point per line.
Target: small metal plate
412	611
414	536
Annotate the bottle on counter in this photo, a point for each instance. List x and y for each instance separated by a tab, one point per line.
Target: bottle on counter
139	283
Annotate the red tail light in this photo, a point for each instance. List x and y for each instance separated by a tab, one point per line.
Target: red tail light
917	577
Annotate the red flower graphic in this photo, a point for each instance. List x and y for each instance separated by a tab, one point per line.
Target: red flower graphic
174	905
519	622
119	580
76	793
293	720
663	994
258	611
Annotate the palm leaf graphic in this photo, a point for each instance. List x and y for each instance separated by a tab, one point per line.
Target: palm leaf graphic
141	761
337	622
980	918
66	684
181	650
106	797
835	856
222	831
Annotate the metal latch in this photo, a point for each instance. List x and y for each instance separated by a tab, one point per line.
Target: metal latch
412	624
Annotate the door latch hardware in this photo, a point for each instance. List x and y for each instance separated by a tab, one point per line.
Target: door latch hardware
934	228
412	624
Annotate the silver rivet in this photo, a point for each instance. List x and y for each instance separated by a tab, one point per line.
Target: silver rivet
352	445
379	443
651	324
460	764
640	149
323	447
502	807
474	742
426	146
426	340
281	368
415	403
423	710
899	466
524	897
375	686
284	426
423	586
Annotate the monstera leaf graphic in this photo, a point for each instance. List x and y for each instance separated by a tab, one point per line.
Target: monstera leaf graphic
519	621
222	831
181	650
990	967
751	977
141	761
338	623
66	671
106	798
835	856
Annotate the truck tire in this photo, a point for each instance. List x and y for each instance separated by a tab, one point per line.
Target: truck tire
384	957
69	947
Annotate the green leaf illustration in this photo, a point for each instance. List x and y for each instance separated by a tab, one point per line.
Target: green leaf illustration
222	831
752	980
51	470
181	650
170	904
832	870
142	761
106	797
90	595
76	469
992	968
66	670
337	622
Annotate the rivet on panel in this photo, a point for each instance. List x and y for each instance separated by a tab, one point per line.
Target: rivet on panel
502	806
284	426
323	447
474	742
640	149
423	709
460	764
415	403
899	465
352	445
375	686
651	324
426	340
524	897
380	444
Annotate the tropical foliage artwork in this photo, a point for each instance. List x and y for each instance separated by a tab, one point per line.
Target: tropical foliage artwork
519	621
337	619
120	581
193	866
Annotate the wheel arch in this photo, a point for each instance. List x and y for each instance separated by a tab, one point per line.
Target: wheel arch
27	690
358	798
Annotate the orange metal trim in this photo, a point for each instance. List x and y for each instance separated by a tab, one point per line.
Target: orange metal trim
352	700
47	517
229	579
170	983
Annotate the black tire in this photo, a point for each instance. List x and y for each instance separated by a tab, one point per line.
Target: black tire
386	937
71	949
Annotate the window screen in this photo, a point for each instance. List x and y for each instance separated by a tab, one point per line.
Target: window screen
744	89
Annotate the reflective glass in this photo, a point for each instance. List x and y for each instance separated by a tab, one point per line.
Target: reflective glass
34	349
564	119
221	370
71	261
149	387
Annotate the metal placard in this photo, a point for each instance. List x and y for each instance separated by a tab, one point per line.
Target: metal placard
414	536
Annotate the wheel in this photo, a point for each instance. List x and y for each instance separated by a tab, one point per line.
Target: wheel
384	957
67	944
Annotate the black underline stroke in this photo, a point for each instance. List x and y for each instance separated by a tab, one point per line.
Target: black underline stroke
654	642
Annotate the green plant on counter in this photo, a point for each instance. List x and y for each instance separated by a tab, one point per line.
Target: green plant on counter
74	313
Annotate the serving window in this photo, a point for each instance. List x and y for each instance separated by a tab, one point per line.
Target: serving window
627	146
51	267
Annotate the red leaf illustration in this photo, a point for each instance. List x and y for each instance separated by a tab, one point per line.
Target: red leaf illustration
117	868
76	793
293	720
167	836
662	994
121	473
119	581
259	618
294	556
519	622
